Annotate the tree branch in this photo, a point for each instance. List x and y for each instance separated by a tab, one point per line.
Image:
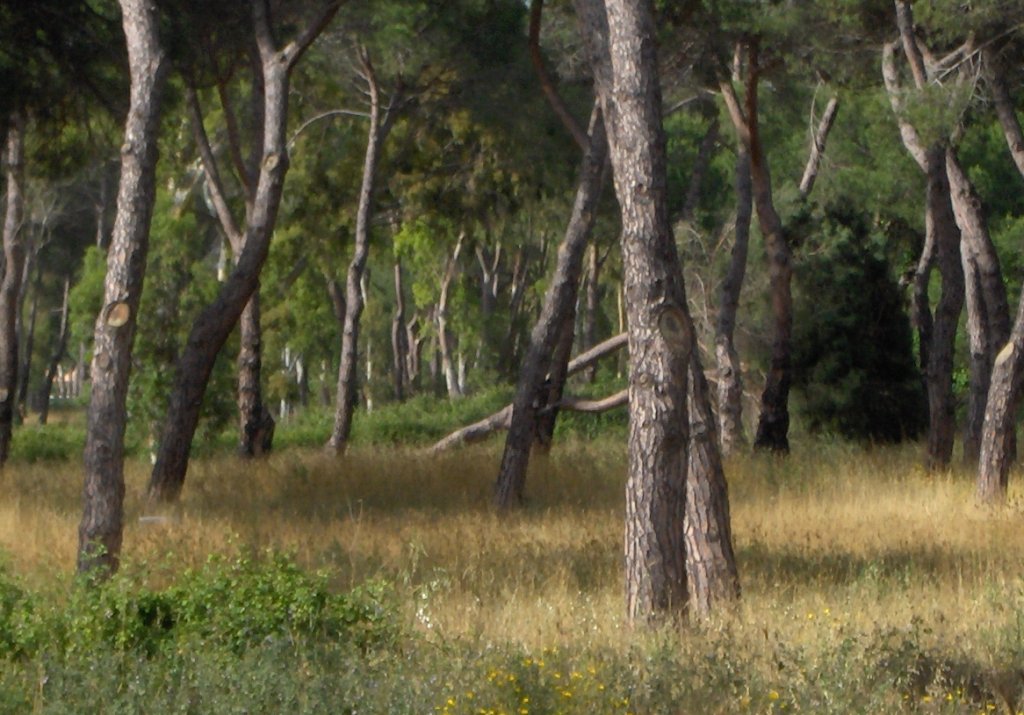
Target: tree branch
235	140
818	147
911	139
579	404
1005	110
294	50
501	419
732	103
905	22
546	84
213	180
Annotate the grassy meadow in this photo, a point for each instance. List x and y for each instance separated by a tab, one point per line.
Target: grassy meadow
382	582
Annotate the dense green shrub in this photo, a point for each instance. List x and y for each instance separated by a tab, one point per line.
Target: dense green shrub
231	603
853	359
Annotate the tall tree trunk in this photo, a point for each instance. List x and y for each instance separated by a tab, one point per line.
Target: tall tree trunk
660	329
773	422
940	221
101	529
347	383
399	339
661	334
215	323
554	327
941	247
730	370
256	423
10	287
58	354
988	313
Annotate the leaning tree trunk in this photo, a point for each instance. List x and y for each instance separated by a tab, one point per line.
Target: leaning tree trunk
215	323
347	384
556	319
554	385
256	424
10	286
101	529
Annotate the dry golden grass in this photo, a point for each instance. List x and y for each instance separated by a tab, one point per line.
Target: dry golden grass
832	537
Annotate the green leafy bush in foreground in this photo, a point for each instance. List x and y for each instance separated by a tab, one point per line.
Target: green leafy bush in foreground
260	634
231	604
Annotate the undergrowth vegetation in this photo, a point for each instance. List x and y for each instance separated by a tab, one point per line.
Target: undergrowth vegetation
382	582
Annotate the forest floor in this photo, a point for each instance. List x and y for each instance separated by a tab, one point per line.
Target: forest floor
868	586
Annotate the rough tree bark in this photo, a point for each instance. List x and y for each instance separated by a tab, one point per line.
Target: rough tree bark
551	338
380	125
661	336
101	528
215	323
10	286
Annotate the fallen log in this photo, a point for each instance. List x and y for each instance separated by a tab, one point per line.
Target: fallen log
501	419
